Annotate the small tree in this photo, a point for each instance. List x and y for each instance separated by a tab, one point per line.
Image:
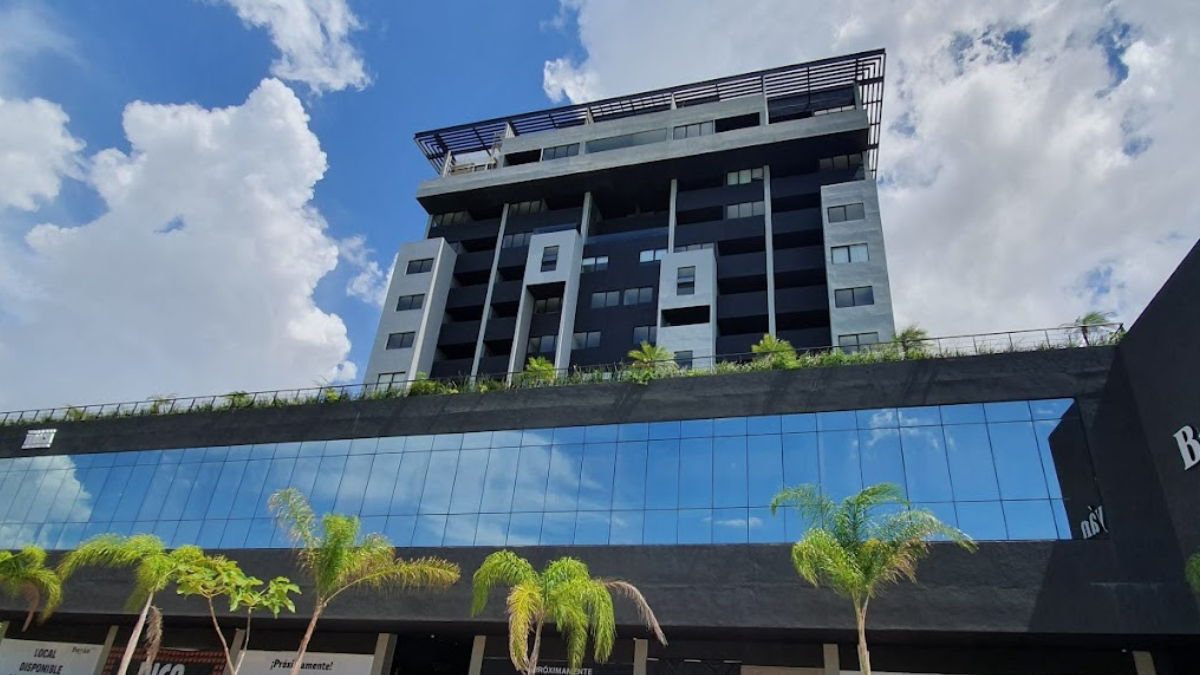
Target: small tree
538	371
1192	572
24	574
338	559
775	353
912	340
869	540
564	593
1091	323
216	576
155	569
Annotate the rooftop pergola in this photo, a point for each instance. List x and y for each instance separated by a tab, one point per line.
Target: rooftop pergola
864	69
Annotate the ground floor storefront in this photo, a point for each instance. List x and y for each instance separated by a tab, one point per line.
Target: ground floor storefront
95	649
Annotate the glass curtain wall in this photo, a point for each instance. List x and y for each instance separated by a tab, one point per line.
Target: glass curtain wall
986	468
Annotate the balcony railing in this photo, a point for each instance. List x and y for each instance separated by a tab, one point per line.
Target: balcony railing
1064	337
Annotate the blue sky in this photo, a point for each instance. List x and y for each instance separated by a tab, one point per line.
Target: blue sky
201	196
193	51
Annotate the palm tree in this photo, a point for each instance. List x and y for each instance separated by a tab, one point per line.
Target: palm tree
869	540
775	352
651	357
911	339
25	574
338	559
564	593
1192	572
155	569
217	576
1090	322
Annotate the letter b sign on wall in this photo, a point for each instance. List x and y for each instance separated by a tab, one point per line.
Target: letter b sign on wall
1189	446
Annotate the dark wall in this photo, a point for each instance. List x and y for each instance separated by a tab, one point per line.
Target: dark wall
1161	363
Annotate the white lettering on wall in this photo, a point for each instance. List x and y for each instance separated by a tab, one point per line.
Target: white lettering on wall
1094	523
1189	447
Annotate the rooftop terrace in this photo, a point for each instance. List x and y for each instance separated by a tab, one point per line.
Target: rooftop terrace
864	70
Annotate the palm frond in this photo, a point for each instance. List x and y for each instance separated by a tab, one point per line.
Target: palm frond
807	499
295	516
524	606
631	592
154	635
25	574
502	568
1192	572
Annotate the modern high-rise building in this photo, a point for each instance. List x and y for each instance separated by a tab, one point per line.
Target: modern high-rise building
698	217
1071	454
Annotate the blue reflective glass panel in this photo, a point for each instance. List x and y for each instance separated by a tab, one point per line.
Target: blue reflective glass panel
987	467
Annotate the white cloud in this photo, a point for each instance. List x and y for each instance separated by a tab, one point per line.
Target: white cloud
199	278
36	152
1023	182
314	38
27	29
370	283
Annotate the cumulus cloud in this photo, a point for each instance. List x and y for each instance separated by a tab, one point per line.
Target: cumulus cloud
37	152
1030	163
198	278
313	37
369	283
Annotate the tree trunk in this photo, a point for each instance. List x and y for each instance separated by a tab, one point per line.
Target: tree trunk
221	636
245	645
537	646
127	658
312	625
864	657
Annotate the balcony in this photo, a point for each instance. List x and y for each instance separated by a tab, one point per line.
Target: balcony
740	305
500	328
807	338
505	292
718	196
494	366
800	220
451	368
458	333
462	297
474	263
799	259
742	273
801	299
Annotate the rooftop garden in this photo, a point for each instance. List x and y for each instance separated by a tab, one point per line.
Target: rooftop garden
644	365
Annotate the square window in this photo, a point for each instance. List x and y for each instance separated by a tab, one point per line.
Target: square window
543	344
683	359
400	340
645	334
864	295
858	253
839	254
389	380
855	212
837	214
407	302
419	266
843	297
549	258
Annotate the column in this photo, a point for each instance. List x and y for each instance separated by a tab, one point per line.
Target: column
770	250
487	298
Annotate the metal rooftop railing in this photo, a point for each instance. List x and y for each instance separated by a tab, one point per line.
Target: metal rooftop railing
864	69
920	348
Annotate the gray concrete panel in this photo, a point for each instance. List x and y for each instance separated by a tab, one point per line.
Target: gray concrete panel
876	318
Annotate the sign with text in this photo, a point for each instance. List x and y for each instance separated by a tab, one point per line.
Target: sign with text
325	663
170	662
31	657
503	666
1189	446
